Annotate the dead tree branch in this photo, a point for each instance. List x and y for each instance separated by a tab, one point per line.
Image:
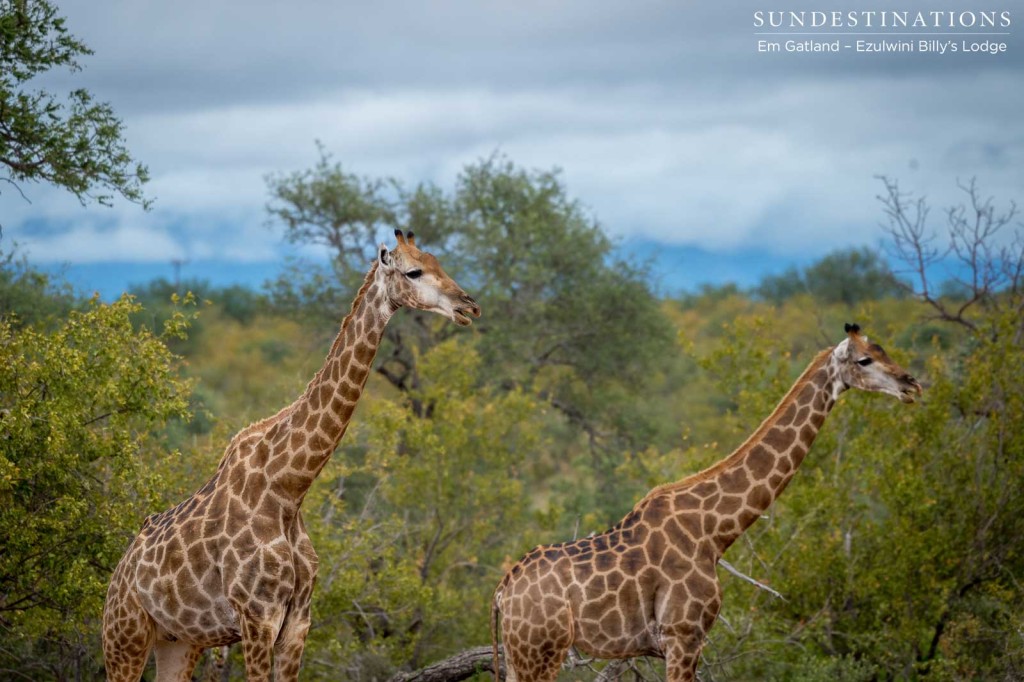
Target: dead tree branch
732	569
461	666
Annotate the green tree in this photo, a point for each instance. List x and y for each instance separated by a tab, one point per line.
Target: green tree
28	296
80	408
75	143
414	517
846	276
564	319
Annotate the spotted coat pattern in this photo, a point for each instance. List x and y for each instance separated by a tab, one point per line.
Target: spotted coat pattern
233	562
648	586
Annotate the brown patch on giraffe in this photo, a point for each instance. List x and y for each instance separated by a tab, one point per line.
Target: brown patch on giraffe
787	416
237	481
728	527
255	485
806	395
291	484
729	504
629	597
633	560
807	434
704	488
582	570
657	509
593	610
331	425
780	439
783	464
611	623
349	392
820	401
734	480
674	564
656	547
364	353
355	374
260	455
690	522
760	497
802	415
760	461
817	419
685	500
175	555
595	588
318	441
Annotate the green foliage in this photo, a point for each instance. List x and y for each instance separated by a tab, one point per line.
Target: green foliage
76	144
847	276
79	406
28	296
413	520
563	319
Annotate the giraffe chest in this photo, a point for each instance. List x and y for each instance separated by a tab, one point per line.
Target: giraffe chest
194	577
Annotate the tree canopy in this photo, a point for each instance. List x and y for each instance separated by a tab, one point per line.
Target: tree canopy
82	401
73	141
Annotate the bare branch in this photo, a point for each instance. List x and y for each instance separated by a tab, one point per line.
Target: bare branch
732	569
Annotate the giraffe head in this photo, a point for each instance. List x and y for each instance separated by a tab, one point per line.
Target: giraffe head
415	279
866	366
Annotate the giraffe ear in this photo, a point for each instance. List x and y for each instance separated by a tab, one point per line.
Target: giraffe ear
383	255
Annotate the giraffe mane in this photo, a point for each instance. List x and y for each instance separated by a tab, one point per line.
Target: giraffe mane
756	436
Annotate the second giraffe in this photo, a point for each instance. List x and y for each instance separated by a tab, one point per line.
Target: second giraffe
648	587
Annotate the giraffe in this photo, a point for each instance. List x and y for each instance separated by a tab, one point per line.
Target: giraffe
648	585
233	562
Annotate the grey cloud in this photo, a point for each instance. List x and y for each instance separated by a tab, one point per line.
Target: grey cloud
666	121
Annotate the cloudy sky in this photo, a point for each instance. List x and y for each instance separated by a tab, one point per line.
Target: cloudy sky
671	128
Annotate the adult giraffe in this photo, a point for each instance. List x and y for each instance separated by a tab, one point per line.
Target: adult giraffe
233	562
648	586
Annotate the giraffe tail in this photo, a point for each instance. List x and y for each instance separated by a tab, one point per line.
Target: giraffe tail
494	634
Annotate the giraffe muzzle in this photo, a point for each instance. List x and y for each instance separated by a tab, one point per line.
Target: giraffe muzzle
467	308
911	389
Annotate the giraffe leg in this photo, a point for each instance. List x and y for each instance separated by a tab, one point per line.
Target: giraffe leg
534	666
175	661
257	647
292	638
290	643
128	633
682	652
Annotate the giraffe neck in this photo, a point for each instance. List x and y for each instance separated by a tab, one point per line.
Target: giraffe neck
320	417
750	479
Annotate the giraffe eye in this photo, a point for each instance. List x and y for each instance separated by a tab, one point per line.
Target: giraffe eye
414	274
864	362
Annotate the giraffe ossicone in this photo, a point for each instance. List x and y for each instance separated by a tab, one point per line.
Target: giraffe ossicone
233	562
648	585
